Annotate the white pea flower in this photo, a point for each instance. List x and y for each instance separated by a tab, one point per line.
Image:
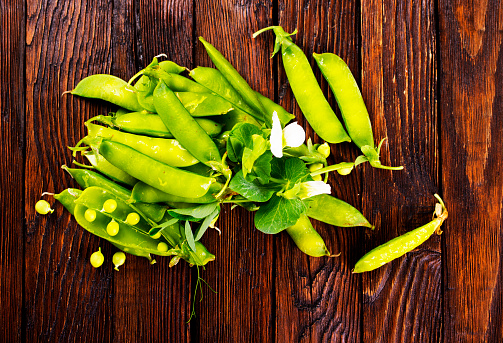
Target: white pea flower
292	135
311	188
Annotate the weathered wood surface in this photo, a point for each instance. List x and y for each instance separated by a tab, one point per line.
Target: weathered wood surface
430	73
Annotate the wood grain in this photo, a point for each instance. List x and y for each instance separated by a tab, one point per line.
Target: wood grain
324	305
472	127
12	145
65	298
151	302
242	274
399	85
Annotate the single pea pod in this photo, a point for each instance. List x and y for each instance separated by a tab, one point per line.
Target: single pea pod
87	178
134	251
204	104
213	79
95	198
150	124
109	88
185	129
270	107
148	194
350	102
333	211
164	150
306	238
401	245
67	198
306	89
160	175
236	116
99	163
127	237
176	83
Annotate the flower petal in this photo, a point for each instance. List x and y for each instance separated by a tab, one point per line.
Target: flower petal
311	188
276	136
294	135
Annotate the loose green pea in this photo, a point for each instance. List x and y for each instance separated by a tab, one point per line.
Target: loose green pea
162	247
113	228
90	215
97	258
43	207
118	259
133	218
110	205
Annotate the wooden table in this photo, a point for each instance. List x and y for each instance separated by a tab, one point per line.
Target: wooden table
431	74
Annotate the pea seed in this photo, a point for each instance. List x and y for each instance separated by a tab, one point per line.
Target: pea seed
156	236
162	247
97	258
113	228
110	205
133	218
90	215
118	259
43	207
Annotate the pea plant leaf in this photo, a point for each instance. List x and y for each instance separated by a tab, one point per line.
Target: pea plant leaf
206	223
195	213
252	190
261	170
189	236
278	214
259	146
239	138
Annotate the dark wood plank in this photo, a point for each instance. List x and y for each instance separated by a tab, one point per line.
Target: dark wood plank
151	303
243	271
11	169
402	300
65	298
318	299
472	174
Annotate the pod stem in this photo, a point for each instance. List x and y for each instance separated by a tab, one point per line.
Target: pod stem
442	215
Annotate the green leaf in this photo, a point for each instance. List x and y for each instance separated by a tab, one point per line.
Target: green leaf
239	138
278	214
195	213
261	169
206	223
158	228
189	236
260	146
251	190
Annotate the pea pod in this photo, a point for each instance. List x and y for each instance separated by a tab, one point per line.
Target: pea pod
306	89
350	101
176	83
306	238
270	106
399	246
165	150
236	116
134	251
183	126
87	178
161	176
109	88
150	124
236	80
67	198
145	193
204	104
95	198
335	212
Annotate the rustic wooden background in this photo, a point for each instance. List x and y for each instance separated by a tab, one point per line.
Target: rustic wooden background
431	73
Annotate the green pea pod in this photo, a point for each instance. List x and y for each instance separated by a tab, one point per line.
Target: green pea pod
99	163
176	83
164	150
306	89
213	79
236	116
135	252
67	198
270	106
185	129
95	197
87	178
307	239
150	124
335	212
350	101
204	104
127	237
160	175
236	80
399	246
109	88
148	194
200	169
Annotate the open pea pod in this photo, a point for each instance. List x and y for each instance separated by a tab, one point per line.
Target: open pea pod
67	198
127	238
333	211
95	198
134	251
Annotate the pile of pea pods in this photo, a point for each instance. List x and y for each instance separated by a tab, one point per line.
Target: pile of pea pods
183	143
